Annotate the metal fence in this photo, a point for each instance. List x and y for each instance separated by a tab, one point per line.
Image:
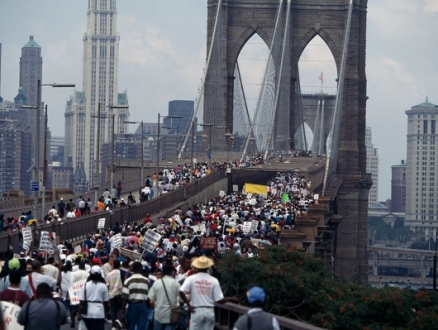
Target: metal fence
227	314
76	227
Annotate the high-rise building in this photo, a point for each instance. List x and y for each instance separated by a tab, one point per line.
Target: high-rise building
183	108
31	70
1	100
398	187
15	157
421	167
100	86
372	166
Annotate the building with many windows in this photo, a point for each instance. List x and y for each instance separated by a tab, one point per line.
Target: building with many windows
100	88
398	187
372	166
421	168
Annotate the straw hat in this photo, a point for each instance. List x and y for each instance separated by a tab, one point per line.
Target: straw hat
202	262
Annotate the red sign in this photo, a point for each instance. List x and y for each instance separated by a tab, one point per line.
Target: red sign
208	243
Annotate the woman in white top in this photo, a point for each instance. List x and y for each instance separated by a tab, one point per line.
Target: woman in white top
65	284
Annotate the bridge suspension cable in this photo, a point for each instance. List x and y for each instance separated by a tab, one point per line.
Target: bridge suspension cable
213	54
333	138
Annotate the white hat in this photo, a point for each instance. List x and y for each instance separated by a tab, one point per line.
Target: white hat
95	270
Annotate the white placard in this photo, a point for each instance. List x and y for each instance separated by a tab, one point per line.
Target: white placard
27	235
75	290
101	223
254	225
10	315
200	228
248	195
221	193
117	240
78	249
46	243
150	239
247	226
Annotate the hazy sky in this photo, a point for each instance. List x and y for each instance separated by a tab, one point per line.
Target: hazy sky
162	56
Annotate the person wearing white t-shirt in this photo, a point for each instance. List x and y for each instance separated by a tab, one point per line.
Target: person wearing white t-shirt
37	277
95	292
80	273
204	291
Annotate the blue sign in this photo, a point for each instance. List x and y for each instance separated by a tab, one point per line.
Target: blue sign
209	155
35	186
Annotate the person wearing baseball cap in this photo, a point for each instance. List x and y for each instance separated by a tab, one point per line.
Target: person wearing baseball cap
256	318
205	291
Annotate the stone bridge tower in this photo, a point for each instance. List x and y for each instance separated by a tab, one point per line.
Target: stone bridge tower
240	20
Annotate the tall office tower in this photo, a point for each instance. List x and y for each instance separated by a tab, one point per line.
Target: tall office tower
181	108
1	99
100	83
421	167
15	156
398	187
372	166
31	70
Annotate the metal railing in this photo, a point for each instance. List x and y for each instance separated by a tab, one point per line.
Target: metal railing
227	314
76	227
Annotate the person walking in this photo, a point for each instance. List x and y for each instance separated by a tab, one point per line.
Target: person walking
115	287
163	296
43	313
13	293
95	295
119	189
256	318
135	295
204	291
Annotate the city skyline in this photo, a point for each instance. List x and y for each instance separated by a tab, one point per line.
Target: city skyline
162	55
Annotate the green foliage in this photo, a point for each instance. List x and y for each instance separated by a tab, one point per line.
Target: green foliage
380	230
297	286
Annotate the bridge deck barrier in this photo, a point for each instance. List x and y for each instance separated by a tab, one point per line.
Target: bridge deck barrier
77	227
227	314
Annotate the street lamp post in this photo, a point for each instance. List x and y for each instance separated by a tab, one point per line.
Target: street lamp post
37	138
142	147
158	149
209	144
435	260
228	138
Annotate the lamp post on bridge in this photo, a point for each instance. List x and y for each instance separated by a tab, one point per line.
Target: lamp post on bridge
435	260
36	177
142	147
209	144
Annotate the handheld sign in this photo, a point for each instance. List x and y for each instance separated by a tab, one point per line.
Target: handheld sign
254	225
101	223
10	314
247	226
150	239
47	241
130	254
74	291
117	240
27	235
208	243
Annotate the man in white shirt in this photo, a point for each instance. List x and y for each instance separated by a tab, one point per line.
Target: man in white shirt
205	291
79	274
37	277
50	270
71	214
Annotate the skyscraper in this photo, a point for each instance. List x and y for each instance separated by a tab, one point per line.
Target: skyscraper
398	187
31	70
421	167
100	85
372	166
1	99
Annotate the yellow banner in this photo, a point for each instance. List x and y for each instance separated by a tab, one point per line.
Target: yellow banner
256	189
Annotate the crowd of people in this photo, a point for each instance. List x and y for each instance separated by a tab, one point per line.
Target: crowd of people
141	289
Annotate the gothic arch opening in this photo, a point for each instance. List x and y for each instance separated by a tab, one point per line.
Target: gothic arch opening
318	84
251	61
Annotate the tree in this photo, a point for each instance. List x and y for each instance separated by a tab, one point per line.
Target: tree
298	286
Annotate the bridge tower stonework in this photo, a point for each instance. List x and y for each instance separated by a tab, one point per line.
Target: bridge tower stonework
240	20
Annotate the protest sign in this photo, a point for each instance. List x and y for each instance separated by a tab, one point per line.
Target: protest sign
78	249
47	241
254	225
27	235
10	314
208	243
150	239
74	291
117	240
130	254
247	226
101	223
